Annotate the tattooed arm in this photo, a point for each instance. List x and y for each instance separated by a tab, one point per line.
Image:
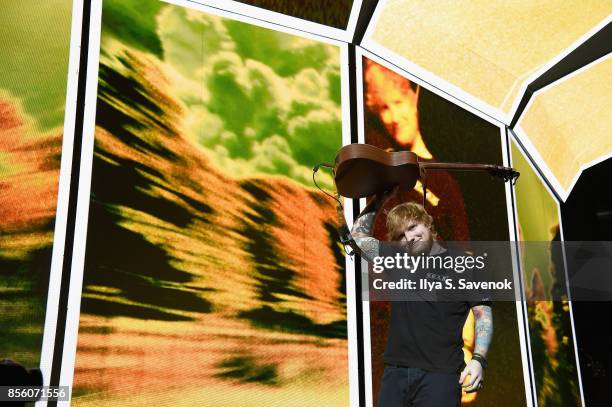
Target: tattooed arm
483	317
362	233
363	227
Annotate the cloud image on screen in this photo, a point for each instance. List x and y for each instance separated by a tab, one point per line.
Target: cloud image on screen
213	273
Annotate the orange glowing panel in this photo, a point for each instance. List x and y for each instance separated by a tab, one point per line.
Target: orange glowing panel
480	53
568	125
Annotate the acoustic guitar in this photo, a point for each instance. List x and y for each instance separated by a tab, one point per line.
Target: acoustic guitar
362	170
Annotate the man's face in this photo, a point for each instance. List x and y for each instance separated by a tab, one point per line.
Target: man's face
417	238
395	105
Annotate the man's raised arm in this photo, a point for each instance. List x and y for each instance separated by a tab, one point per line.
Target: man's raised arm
362	233
363	227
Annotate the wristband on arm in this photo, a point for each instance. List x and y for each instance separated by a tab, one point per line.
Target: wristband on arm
481	359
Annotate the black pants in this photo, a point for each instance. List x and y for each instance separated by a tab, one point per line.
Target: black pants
414	387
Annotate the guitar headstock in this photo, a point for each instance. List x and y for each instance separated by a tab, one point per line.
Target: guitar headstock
505	173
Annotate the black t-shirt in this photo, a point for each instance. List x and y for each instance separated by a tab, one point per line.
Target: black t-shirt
428	334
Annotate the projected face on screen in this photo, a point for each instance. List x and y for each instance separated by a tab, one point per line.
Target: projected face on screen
393	99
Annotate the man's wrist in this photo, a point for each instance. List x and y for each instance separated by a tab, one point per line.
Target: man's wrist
481	359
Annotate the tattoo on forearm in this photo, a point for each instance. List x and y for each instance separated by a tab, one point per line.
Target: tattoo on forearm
362	233
364	225
483	316
369	247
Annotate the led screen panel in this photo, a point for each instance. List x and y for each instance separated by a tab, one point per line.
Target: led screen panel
212	273
481	54
34	55
550	324
566	127
400	115
334	13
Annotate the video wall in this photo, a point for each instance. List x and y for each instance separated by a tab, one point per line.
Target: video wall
206	266
34	55
212	268
553	347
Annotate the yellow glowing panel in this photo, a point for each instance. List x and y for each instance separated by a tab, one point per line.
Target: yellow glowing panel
569	124
485	49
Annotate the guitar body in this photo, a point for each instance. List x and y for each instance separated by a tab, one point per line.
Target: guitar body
362	170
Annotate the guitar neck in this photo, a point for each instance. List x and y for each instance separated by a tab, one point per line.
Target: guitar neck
459	166
506	173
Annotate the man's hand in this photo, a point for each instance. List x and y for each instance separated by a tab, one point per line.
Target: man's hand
476	373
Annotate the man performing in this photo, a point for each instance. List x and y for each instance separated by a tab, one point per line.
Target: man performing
424	365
